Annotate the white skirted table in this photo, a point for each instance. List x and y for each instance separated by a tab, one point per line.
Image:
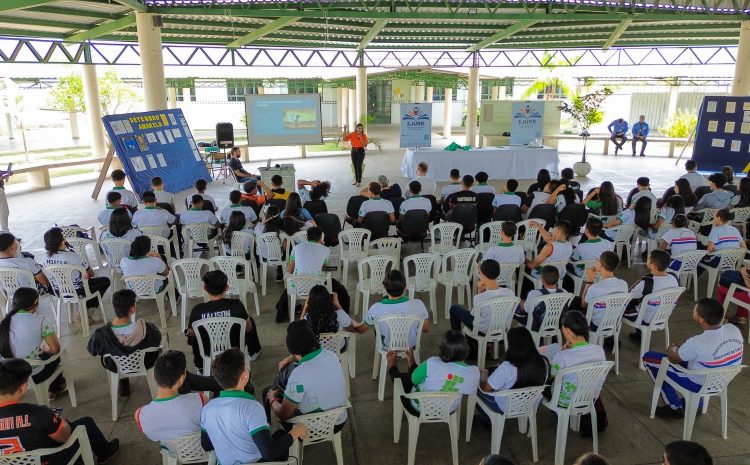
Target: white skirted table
516	162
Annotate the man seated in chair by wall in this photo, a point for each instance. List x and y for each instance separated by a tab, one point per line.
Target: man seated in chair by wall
235	165
397	303
123	336
375	204
216	285
487	288
428	185
234	424
719	345
151	215
27	427
465	195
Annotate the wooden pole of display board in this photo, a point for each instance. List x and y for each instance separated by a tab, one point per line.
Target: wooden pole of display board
104	170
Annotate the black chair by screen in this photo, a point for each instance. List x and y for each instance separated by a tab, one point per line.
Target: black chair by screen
544	212
397	201
434	216
331	226
352	208
465	214
314	207
507	213
377	223
524	197
484	207
414	226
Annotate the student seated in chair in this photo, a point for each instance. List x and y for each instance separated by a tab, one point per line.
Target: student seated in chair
508	197
481	186
235	199
608	284
200	186
658	279
398	303
487	288
591	246
151	215
197	215
162	196
375	204
127	198
415	200
556	248
550	277
113	203
465	195
10	256
506	251
453	186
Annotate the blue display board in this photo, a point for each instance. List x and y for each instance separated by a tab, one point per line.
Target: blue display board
156	143
722	136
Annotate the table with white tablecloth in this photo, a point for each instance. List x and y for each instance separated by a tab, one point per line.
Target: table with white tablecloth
516	162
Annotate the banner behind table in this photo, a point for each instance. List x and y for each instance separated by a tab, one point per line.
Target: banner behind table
527	123
416	125
722	135
156	143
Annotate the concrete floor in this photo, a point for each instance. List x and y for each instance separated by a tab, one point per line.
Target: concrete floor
632	438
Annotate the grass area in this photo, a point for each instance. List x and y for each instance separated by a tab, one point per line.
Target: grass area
56	173
327	147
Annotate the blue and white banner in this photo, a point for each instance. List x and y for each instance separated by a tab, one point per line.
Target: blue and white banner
527	123
416	125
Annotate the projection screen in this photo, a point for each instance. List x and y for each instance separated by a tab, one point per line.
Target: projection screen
283	119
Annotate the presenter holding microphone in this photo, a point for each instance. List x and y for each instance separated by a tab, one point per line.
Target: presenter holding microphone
358	139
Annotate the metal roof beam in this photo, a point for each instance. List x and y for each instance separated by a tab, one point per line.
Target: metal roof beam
53	10
10	5
500	35
102	29
374	30
616	33
262	31
134	4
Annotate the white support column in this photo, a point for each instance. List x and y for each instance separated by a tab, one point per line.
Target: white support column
345	107
361	89
152	62
261	90
418	93
94	111
471	107
501	92
495	93
172	93
185	95
447	112
741	83
352	109
339	100
674	93
73	118
428	98
10	95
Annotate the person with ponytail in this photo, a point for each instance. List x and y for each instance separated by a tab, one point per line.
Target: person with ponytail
141	261
120	226
58	253
28	335
272	223
325	315
237	221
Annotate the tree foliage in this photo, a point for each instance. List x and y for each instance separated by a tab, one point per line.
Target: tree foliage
550	82
681	124
585	108
67	95
115	95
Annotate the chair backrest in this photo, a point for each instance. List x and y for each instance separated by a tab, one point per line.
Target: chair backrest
554	304
464	214
11	279
332	341
546	212
160	231
741	215
449	235
716	380
520	402
229	266
611	321
730	258
297	238
144	285
689	260
388	246
507	275
576	214
425	269
377	223
164	243
133	364
243	242
507	212
320	425
62	278
374	269
71	231
218	330
187	448
399	327
79	245
484	207
708	216
460	262
331	226
489	235
623	232
188	273
270	244
114	251
355	242
353	205
527	236
665	226
77	439
588	379
198	232
434	407
501	310
414	223
299	285
315	207
662	303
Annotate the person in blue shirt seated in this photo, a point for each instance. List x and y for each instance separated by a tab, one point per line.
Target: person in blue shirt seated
617	130
640	133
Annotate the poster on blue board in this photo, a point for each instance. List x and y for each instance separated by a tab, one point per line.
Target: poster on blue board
722	134
156	143
527	123
416	125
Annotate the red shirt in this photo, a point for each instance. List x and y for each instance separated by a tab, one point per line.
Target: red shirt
358	141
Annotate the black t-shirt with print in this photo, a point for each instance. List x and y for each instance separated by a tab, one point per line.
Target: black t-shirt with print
26	427
222	308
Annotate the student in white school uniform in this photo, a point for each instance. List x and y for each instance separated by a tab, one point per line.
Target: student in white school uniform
642	189
695	179
678	239
141	261
674	206
151	215
128	198
454	186
398	303
197	215
120	226
200	187
592	247
722	236
543	197
508	197
557	247
549	277
657	280
639	214
415	201
506	251
325	314
447	372
487	288
608	284
428	185
719	345
234	424
162	196
235	205
113	203
10	256
376	204
481	186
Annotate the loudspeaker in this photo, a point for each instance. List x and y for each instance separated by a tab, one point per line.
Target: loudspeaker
225	135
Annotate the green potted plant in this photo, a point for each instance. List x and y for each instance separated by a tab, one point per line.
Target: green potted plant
585	110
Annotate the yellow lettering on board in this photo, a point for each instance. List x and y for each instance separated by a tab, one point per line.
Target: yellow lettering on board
164	120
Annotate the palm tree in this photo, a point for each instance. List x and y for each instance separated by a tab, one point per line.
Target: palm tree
550	83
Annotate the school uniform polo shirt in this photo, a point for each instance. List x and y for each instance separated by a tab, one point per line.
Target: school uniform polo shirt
482	188
194	216
725	237
66	257
127	198
680	240
401	306
485	315
152	216
317	384
505	252
230	421
696	180
506	198
540	198
164	197
250	216
375	204
643	193
428	185
134	266
435	375
660	283
450	189
599	289
667	214
416	202
24	263
170	417
105	214
713	348
502	379
579	354
309	257
590	249
27	331
561	252
130	235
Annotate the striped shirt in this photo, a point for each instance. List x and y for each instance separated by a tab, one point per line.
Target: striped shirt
725	237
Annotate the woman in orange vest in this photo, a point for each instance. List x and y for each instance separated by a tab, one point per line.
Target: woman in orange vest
358	139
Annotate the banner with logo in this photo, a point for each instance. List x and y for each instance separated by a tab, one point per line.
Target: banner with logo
416	125
527	123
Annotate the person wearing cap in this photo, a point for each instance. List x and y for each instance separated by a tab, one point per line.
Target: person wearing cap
315	384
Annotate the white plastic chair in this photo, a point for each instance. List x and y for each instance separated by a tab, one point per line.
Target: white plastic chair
239	287
354	245
530	237
493	228
578	280
741	215
271	244
243	242
114	251
659	321
519	403
456	268
387	246
41	389
298	286
399	327
554	305
652	243
731	299
623	240
371	272
61	278
731	259
708	220
157	231
589	379
164	243
434	407
80	244
188	274
78	440
130	366
424	278
445	237
198	234
146	287
217	331
334	342
688	272
715	383
611	321
289	242
536	282
11	279
320	428
501	310
507	276
184	450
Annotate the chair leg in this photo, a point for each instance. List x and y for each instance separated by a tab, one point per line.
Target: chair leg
83	312
433	303
151	382
724	411
113	382
594	429
691	408
381	380
616	352
162	311
482	355
398	411
645	344
183	311
352	357
532	431
471	403
345	272
413	437
356	303
453	430
172	298
41	395
255	299
263	277
498	426
57	316
448	295
337	448
562	437
365	304
712	273
376	364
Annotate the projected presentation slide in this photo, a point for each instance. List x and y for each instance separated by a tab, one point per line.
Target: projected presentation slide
283	119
